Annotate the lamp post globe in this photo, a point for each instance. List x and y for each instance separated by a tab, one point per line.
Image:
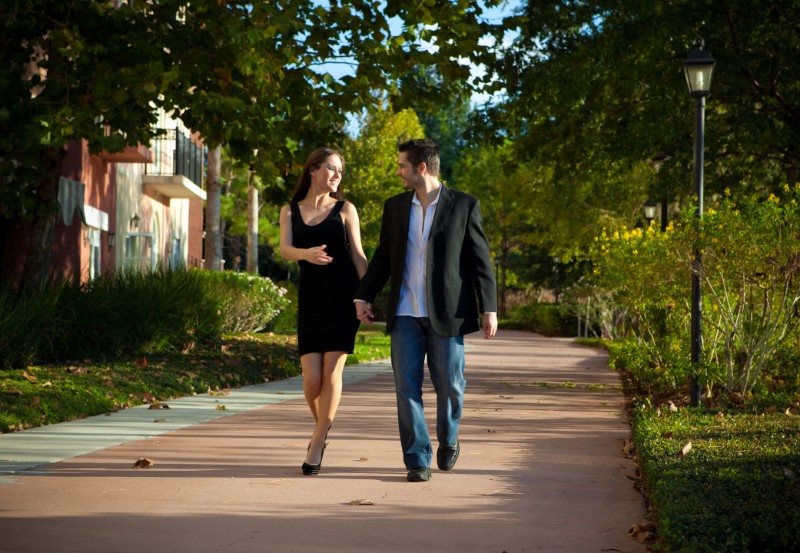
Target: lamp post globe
650	207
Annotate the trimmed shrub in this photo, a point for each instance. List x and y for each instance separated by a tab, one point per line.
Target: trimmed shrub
548	319
131	312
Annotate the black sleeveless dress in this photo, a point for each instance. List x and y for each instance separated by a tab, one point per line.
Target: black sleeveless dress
326	316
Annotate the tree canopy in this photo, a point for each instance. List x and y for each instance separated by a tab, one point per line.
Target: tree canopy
251	75
593	91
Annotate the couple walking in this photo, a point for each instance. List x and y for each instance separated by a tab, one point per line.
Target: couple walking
434	253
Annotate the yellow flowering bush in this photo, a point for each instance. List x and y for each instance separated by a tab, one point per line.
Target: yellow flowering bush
750	278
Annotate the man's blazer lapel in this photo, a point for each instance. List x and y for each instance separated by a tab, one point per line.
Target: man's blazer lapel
405	214
443	209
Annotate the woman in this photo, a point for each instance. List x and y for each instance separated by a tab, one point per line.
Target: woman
322	233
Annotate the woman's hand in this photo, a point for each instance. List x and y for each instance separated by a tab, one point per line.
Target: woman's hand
318	256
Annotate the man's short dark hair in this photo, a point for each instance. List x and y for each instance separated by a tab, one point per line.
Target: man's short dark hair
422	150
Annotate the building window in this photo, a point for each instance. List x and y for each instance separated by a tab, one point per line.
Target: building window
139	252
176	255
94	253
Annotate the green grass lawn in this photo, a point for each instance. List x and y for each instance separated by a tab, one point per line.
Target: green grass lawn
47	394
736	487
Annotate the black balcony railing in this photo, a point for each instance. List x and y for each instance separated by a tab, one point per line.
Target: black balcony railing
176	154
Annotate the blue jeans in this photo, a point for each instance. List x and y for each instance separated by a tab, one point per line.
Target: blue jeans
412	339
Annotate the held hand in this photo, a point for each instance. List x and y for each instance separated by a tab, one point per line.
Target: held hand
317	255
364	312
489	325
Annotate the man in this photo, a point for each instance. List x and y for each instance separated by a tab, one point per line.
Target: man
433	250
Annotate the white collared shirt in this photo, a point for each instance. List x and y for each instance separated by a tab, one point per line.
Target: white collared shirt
413	298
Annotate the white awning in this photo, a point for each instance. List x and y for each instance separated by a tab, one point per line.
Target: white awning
95	218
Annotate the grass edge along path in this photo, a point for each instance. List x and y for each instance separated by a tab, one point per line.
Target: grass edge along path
49	394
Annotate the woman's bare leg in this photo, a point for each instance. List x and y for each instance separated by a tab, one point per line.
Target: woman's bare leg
311	364
326	402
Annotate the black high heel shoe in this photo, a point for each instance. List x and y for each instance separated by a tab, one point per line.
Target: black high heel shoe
308	468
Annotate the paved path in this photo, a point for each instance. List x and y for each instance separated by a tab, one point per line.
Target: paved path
541	469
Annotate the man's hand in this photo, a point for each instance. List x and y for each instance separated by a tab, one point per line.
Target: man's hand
489	325
364	312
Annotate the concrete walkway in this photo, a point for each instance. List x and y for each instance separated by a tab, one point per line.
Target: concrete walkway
541	468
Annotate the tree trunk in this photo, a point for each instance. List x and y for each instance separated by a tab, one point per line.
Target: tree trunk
213	245
37	268
252	227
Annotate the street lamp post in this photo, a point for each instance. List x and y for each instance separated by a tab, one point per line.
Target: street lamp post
698	67
657	161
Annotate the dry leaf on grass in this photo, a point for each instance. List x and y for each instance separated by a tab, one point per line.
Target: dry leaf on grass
361	502
643	533
28	377
143	463
685	449
628	448
672	406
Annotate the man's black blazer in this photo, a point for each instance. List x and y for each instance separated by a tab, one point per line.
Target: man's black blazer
459	268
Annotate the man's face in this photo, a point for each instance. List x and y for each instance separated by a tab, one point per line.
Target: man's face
407	172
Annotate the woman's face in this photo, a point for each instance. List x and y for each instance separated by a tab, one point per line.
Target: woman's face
326	177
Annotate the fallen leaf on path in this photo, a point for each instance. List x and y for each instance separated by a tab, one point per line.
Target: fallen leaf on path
686	449
361	502
220	408
158	405
160	420
143	463
361	460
